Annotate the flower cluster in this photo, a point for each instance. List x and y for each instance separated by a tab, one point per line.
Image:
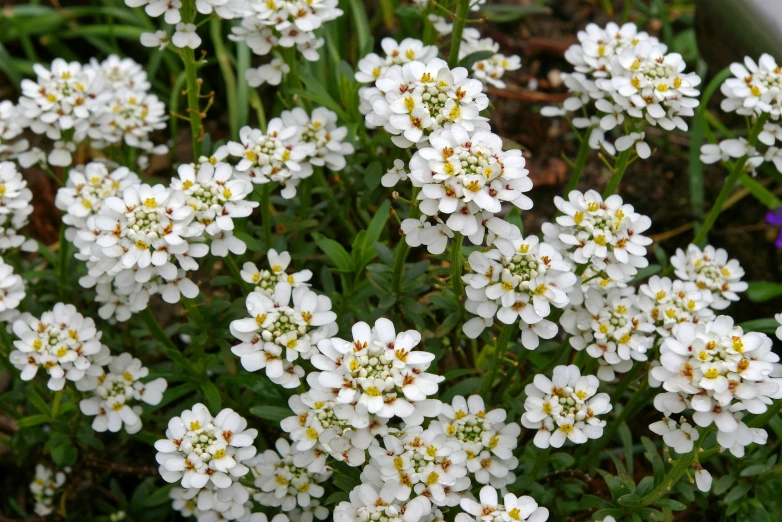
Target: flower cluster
518	279
712	272
285	24
264	281
633	81
611	327
12	124
293	320
15	208
720	372
484	436
12	291
667	302
607	235
413	100
564	407
105	102
217	196
754	91
290	147
492	69
378	375
62	342
207	456
282	482
116	391
371	503
465	178
45	487
512	508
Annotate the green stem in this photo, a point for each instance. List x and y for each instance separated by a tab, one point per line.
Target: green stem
156	330
622	161
727	188
636	400
456	264
193	87
227	72
305	198
234	269
462	10
400	257
63	260
578	168
499	351
674	474
266	215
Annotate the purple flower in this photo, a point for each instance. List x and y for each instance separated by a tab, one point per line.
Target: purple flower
774	217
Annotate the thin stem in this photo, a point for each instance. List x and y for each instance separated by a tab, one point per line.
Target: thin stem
456	264
462	9
727	188
234	269
56	402
622	161
266	215
578	168
400	257
62	265
674	474
156	330
193	87
499	351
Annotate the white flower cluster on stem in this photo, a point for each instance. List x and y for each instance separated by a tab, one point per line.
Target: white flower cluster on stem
626	79
45	487
117	392
719	372
206	456
712	272
15	208
107	103
512	508
64	343
12	291
290	147
754	91
565	407
518	279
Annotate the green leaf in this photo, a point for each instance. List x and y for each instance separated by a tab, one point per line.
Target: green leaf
671	504
378	223
65	454
32	420
211	395
760	292
645	486
768	325
753	470
271	413
722	484
372	174
472	58
361	27
465	388
37	401
335	252
503	13
741	489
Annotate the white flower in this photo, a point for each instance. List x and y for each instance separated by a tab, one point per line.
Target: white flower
276	324
366	503
519	279
702	478
372	66
754	89
513	508
492	69
62	342
485	437
607	234
45	487
320	129
157	39
634	139
12	124
186	36
15	207
278	155
116	390
667	303
270	73
204	453
564	408
282	483
417	98
379	374
712	273
12	291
